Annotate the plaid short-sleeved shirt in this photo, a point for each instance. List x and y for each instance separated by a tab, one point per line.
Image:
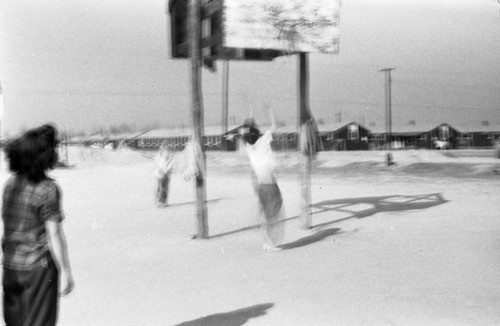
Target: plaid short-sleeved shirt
25	209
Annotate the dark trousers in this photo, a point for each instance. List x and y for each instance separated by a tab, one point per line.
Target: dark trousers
271	205
30	298
162	189
270	201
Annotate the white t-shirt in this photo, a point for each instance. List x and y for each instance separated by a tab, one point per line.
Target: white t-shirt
262	159
165	162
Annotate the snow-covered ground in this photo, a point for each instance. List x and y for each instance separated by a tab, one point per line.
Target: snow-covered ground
416	243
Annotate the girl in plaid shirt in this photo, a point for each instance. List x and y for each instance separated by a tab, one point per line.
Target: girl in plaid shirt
36	266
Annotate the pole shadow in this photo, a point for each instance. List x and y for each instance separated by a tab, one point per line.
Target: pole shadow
233	318
377	204
216	200
310	239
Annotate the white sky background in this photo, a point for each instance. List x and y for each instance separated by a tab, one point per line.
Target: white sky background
89	63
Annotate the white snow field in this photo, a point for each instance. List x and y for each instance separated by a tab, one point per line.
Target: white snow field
417	243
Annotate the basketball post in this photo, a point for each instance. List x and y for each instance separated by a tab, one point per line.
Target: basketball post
231	35
225	102
194	30
304	150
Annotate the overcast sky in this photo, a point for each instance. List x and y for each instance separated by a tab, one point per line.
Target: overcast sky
84	64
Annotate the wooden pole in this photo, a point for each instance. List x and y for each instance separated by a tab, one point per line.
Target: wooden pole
66	147
225	100
194	12
388	112
388	101
304	158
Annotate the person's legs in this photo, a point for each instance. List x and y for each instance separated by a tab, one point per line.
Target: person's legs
161	195
41	296
12	298
271	203
166	188
158	191
31	297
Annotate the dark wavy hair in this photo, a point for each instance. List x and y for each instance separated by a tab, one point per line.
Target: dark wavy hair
33	153
249	131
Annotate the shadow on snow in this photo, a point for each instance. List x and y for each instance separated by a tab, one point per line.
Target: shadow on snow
233	318
310	239
368	206
354	208
216	200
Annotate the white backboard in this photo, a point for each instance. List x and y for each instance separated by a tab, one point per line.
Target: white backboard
285	25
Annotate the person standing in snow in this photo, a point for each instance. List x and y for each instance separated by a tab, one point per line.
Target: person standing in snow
36	268
164	160
263	163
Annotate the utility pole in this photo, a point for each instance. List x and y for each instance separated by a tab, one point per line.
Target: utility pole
338	117
194	30
362	119
225	100
388	110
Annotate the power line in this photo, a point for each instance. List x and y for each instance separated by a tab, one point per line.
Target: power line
433	82
217	94
446	107
406	105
